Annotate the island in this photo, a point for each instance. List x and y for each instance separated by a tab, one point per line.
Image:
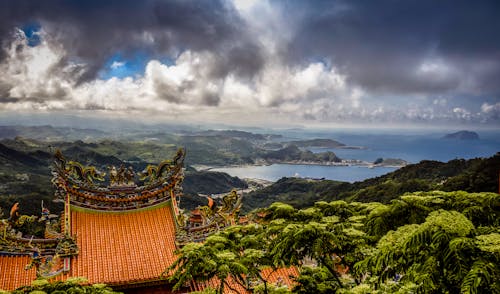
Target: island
294	155
462	135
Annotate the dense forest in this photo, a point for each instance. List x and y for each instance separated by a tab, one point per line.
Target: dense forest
423	242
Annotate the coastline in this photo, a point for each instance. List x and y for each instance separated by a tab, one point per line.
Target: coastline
346	163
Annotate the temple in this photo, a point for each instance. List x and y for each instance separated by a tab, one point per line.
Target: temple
112	231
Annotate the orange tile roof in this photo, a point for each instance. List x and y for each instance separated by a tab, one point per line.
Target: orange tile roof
285	275
12	272
121	248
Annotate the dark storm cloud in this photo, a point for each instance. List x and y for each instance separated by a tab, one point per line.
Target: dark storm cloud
4	89
381	44
92	31
8	100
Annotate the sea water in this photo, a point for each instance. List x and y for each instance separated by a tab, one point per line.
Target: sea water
275	172
413	148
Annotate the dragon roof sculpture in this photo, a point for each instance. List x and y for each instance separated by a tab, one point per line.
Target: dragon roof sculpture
46	254
206	220
159	183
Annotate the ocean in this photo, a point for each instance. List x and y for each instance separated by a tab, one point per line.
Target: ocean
275	172
412	147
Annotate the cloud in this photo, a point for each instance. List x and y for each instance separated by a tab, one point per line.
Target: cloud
392	47
189	86
336	61
190	81
36	73
92	31
462	113
117	64
490	108
491	111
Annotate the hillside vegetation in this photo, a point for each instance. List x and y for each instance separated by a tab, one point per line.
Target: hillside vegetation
474	175
423	242
25	174
26	156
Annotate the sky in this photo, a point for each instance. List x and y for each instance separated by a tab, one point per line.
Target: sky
254	62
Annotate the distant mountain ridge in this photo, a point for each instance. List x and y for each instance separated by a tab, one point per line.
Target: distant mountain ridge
50	133
25	170
8	155
237	134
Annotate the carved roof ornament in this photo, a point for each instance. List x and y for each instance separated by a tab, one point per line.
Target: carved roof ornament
14	213
206	220
121	177
89	187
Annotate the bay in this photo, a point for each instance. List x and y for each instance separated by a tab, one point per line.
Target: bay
412	147
275	172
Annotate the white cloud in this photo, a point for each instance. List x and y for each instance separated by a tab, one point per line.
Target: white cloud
117	64
435	68
440	101
462	113
490	108
35	73
189	81
42	78
490	111
243	6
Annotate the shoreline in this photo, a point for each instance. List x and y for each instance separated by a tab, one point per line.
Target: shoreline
337	164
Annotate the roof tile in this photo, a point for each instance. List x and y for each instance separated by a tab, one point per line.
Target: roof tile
13	274
117	248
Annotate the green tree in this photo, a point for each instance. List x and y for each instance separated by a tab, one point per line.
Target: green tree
429	242
71	285
235	255
438	256
315	280
201	263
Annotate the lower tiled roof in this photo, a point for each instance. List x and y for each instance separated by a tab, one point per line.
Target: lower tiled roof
122	248
283	276
280	277
126	247
12	272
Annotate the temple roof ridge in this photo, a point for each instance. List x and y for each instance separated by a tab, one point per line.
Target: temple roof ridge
157	183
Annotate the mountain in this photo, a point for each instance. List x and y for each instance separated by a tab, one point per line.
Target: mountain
25	170
10	156
210	182
298	192
50	133
462	135
238	134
